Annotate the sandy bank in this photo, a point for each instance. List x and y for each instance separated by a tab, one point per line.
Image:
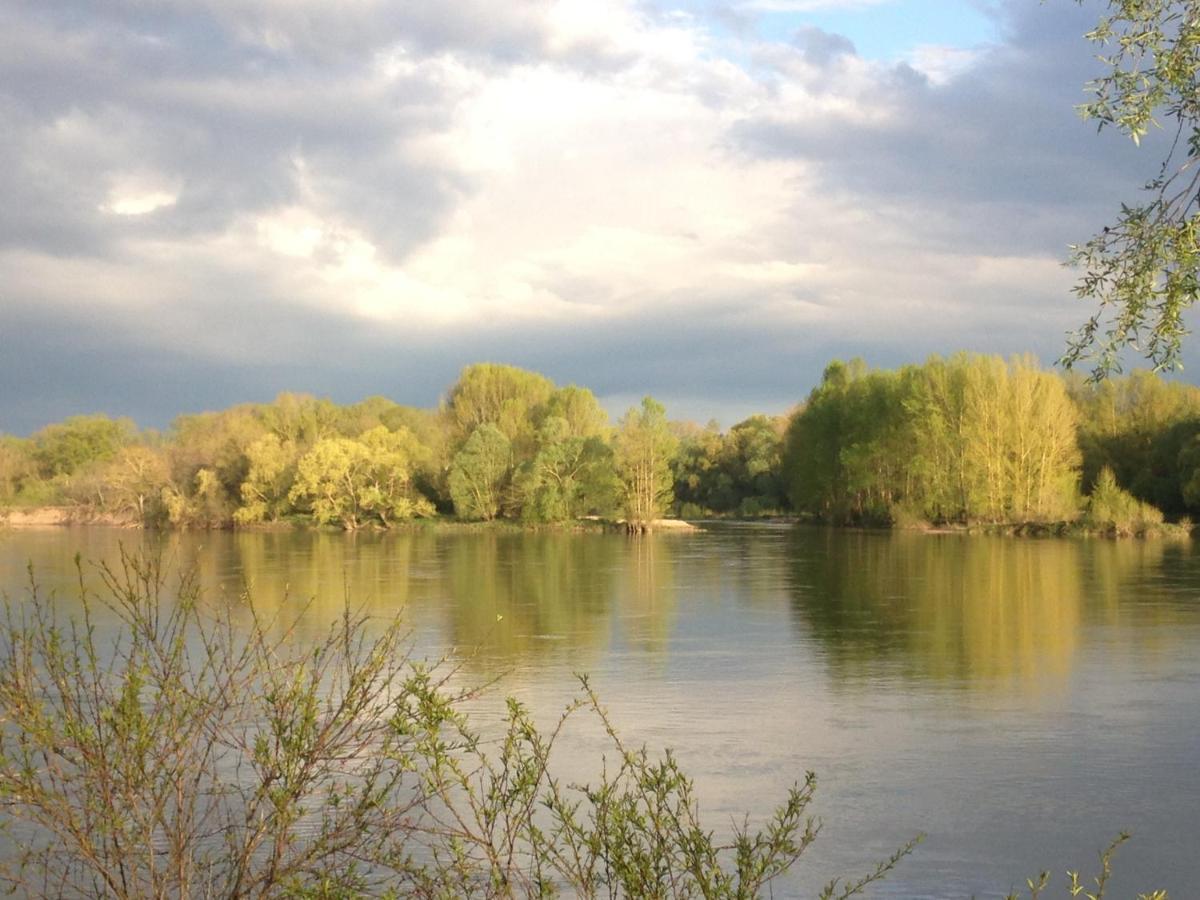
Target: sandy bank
57	516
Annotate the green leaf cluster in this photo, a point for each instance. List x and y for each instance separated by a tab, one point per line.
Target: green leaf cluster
1141	271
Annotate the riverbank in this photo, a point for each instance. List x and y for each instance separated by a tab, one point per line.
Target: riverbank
1079	528
66	516
60	516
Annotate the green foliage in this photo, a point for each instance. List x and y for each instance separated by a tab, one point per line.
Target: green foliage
508	398
209	461
480	473
18	469
64	448
578	407
301	419
354	482
133	483
1142	270
968	438
570	475
645	449
204	503
1144	429
1118	511
700	482
258	767
1077	886
738	472
269	480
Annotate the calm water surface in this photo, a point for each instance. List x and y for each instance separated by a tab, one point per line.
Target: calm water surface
1019	701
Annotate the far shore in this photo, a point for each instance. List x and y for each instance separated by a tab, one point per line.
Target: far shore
75	516
68	516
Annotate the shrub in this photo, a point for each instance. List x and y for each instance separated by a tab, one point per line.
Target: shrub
1117	511
200	751
1078	886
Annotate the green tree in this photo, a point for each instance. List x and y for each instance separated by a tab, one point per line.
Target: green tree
645	449
1114	509
570	475
752	457
847	451
702	485
506	397
1142	428
1142	271
355	482
17	467
578	407
202	502
301	418
973	437
480	472
209	460
269	480
65	447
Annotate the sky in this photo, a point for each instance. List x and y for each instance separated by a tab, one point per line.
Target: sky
208	202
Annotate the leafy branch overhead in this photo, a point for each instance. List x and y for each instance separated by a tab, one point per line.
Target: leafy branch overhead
1142	271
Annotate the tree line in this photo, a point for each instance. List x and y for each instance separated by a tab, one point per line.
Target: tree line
974	438
504	443
968	438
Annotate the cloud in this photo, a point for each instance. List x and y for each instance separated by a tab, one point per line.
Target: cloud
805	6
820	48
984	155
242	198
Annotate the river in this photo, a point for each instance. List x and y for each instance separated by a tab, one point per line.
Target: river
1019	701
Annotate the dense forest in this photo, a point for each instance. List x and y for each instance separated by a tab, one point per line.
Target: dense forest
964	439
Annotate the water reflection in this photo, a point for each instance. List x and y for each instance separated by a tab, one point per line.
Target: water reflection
969	610
518	596
648	592
942	609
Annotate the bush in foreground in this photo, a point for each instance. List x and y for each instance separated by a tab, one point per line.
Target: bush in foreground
201	751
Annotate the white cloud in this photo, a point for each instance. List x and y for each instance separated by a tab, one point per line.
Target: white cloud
138	204
941	64
804	6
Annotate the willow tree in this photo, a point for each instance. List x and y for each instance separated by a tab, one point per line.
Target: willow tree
1143	270
356	482
645	448
505	397
973	437
269	480
480	473
568	476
